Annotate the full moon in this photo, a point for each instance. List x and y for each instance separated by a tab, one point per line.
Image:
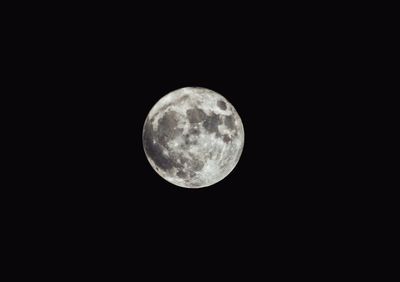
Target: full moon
193	137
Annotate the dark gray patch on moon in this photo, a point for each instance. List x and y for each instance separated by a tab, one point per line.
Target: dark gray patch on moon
183	160
194	131
195	115
226	138
196	165
211	123
167	127
189	141
154	143
181	174
155	150
221	104
169	120
229	122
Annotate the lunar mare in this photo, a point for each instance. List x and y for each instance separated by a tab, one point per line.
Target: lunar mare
193	137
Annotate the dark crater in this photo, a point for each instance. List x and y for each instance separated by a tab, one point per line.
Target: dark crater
211	123
221	104
226	138
229	121
195	115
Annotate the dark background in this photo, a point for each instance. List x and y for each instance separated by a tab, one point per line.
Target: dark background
100	72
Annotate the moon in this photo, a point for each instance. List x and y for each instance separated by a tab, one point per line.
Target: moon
193	137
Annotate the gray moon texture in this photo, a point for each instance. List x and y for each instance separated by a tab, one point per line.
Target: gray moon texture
193	137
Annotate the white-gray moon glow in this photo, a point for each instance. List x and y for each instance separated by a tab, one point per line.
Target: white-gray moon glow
193	137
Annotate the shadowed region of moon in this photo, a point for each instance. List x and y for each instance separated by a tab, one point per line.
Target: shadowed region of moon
193	137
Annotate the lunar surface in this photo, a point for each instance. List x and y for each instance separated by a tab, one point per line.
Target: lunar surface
193	137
